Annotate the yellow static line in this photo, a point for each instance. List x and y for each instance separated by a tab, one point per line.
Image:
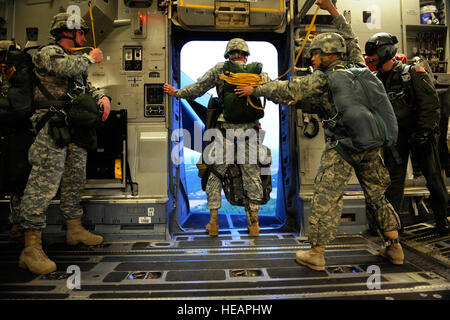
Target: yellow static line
264	9
198	6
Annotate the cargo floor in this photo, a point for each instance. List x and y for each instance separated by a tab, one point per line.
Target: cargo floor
233	266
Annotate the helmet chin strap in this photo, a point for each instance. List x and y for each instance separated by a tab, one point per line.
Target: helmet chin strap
73	38
381	64
322	67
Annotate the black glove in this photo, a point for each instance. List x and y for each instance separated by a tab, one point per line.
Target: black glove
420	138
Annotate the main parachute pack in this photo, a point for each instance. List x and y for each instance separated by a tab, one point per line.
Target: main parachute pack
363	116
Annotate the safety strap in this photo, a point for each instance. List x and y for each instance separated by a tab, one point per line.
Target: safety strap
217	174
389	242
52	103
41	123
395	155
404	76
344	154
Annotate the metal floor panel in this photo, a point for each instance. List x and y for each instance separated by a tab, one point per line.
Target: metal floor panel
230	266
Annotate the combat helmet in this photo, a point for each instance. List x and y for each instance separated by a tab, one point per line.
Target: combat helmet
329	42
66	21
384	44
236	44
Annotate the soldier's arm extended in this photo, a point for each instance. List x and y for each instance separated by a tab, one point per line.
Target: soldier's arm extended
202	85
308	89
354	53
55	60
427	101
265	77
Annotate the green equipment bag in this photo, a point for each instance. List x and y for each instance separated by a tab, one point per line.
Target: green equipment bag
84	112
236	109
79	127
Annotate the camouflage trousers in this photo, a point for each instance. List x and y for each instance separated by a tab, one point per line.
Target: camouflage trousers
329	186
250	169
52	167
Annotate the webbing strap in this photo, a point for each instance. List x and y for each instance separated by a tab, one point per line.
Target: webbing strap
389	242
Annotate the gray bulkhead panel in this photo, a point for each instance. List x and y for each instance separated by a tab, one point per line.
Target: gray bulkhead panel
133	41
232	14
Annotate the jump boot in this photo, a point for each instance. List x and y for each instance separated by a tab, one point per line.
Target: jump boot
33	257
313	259
394	251
76	233
213	227
253	226
16	233
442	226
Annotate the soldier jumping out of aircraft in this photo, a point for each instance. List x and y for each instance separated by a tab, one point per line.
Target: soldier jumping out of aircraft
58	155
236	52
329	51
416	106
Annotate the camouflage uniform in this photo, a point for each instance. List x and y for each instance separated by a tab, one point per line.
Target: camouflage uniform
53	166
334	171
250	171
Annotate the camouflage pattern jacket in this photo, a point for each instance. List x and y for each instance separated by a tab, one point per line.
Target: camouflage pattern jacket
313	89
209	80
55	66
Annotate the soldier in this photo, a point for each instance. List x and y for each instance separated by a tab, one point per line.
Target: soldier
328	51
236	51
7	128
57	158
416	106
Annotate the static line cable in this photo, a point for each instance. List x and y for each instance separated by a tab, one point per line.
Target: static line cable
92	22
309	29
93	31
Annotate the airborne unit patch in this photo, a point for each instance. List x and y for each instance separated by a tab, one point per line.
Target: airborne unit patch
420	69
